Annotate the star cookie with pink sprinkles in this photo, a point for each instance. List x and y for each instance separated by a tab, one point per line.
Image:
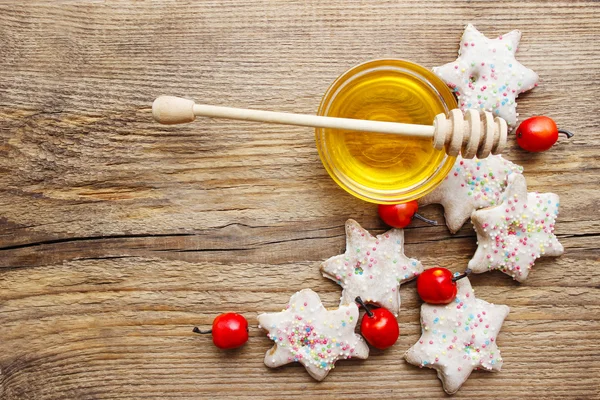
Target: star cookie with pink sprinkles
307	333
517	232
459	337
469	186
486	75
372	267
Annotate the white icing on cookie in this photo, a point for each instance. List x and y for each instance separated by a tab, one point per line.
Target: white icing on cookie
307	333
469	186
372	267
459	337
514	234
486	75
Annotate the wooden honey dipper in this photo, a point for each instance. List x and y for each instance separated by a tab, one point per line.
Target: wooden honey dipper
472	134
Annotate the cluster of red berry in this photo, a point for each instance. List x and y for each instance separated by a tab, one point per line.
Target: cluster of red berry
379	326
435	286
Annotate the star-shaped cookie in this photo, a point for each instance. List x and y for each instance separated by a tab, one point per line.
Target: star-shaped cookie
469	186
486	75
307	333
514	234
459	337
372	267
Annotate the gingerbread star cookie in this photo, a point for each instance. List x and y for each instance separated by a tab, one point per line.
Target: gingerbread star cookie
514	234
469	186
486	75
307	333
459	337
372	267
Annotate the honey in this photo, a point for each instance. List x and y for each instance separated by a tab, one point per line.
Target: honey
384	168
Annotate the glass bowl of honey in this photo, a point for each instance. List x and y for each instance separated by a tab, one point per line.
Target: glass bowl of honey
385	168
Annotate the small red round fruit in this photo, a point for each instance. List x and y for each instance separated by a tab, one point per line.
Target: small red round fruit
435	286
379	327
538	134
229	331
400	215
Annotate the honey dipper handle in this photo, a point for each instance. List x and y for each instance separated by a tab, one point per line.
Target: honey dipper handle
470	134
175	110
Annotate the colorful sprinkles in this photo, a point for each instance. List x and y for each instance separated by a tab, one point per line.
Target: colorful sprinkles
307	333
471	185
517	232
486	75
372	267
459	337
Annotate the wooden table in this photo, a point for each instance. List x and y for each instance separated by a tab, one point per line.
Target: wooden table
118	235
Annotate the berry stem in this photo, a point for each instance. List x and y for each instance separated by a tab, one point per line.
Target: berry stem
566	133
196	330
427	220
463	275
359	301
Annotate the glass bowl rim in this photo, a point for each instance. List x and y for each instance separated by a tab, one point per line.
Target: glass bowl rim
364	192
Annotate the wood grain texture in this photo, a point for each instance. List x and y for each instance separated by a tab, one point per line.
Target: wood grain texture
118	235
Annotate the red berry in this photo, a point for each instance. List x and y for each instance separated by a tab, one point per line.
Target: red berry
398	215
538	134
229	331
435	286
379	327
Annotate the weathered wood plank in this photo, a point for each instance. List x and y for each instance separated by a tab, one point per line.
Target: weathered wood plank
128	327
118	235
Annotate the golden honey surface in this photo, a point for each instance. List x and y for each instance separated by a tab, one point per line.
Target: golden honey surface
384	90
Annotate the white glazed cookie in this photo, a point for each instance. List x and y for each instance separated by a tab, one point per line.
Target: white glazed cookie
469	186
459	337
307	333
486	75
372	267
514	234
